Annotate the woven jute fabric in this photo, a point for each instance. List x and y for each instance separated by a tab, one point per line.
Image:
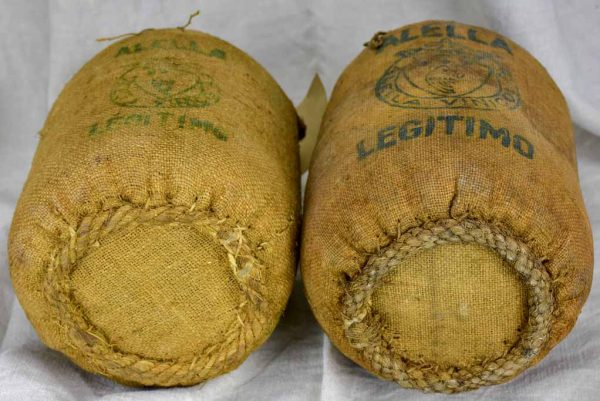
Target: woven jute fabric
445	243
155	239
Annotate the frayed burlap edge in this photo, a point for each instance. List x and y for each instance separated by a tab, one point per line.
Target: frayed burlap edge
85	341
364	331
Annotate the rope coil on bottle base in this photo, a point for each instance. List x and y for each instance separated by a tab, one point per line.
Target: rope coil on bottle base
85	339
364	331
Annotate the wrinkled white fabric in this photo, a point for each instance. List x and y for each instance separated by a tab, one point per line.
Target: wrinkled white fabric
43	44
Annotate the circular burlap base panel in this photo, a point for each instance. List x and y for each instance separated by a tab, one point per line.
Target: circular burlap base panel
455	335
158	296
454	304
159	291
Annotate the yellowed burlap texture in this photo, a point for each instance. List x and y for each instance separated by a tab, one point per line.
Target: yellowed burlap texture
155	239
445	243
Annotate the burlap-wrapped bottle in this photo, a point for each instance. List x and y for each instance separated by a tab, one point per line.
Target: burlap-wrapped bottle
446	245
154	242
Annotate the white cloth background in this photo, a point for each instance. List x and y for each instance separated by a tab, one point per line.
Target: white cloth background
42	44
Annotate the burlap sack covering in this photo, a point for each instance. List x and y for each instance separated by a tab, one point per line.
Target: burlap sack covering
446	245
154	242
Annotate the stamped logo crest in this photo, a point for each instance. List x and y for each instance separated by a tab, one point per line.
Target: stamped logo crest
164	82
446	74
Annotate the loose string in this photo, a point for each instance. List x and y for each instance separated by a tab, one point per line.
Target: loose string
126	35
192	16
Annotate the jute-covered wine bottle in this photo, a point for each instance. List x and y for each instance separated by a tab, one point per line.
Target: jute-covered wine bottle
154	241
445	244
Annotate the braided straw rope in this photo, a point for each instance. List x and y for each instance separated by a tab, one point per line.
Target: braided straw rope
364	331
86	341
